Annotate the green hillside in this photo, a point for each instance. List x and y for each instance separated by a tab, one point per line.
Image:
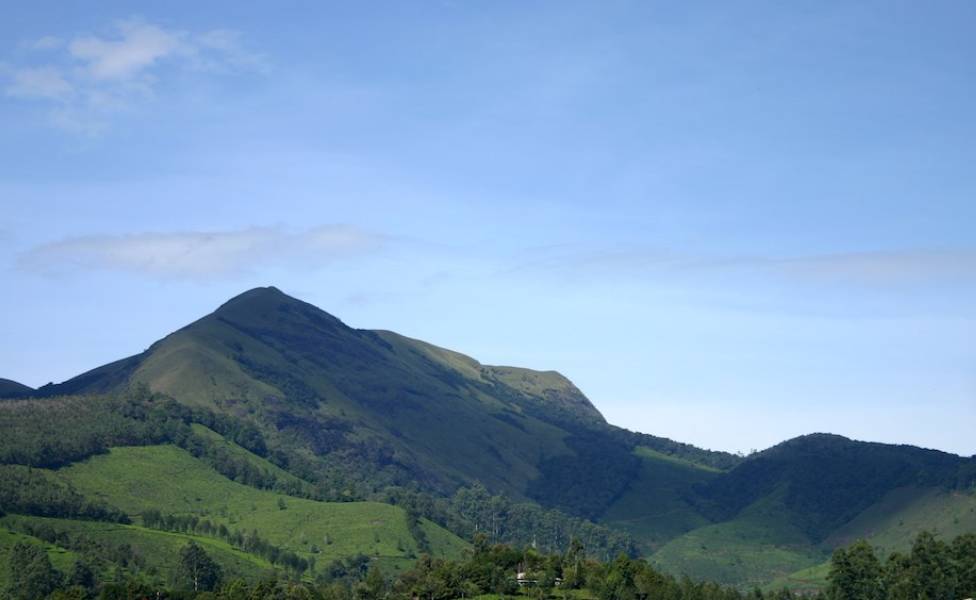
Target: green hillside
759	545
892	524
371	409
780	513
170	480
272	426
151	553
313	382
654	508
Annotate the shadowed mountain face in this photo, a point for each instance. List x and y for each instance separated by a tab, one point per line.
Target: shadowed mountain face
12	389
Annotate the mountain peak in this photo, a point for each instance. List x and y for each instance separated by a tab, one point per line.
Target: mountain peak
258	295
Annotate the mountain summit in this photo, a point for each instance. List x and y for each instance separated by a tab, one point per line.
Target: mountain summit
430	413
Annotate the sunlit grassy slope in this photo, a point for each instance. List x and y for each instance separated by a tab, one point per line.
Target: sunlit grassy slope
157	552
756	547
892	524
654	508
170	480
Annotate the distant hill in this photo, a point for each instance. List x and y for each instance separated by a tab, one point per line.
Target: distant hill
786	508
337	413
12	389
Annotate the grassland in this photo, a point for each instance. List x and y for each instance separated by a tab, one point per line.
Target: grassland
756	547
891	524
170	480
156	552
653	508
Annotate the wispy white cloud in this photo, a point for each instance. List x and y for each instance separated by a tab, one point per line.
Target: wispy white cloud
39	82
137	47
48	42
89	78
195	255
867	269
883	268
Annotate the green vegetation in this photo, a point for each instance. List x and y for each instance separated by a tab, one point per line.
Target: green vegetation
61	558
654	507
278	439
115	550
892	523
932	569
140	479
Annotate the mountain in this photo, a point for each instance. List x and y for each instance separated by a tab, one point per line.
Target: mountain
786	508
399	409
12	389
428	414
321	410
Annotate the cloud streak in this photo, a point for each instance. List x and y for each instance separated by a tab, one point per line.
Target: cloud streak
87	79
876	269
201	255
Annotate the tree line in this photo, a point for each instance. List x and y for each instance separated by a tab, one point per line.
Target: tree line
247	541
931	570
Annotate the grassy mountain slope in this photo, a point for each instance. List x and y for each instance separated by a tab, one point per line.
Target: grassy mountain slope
654	508
436	416
890	525
170	480
386	409
784	509
130	547
827	480
760	544
12	389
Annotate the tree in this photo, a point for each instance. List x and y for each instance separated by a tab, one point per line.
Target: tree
932	568
82	576
197	568
855	573
964	556
31	573
373	587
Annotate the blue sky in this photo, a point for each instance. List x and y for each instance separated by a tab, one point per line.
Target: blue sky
728	223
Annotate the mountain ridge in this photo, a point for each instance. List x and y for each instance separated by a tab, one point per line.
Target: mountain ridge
372	410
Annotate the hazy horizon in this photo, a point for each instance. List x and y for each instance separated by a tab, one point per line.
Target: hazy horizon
728	225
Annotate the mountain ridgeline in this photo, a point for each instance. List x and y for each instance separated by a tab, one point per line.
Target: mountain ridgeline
275	394
12	389
392	409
